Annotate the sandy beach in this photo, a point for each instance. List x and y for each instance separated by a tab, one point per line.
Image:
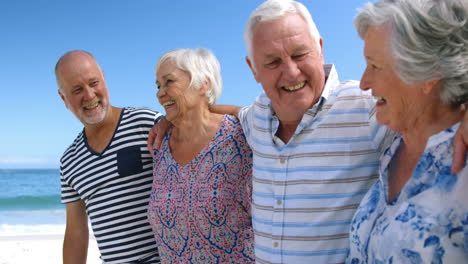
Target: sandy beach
41	249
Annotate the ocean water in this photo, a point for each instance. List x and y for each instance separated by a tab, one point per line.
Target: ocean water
30	202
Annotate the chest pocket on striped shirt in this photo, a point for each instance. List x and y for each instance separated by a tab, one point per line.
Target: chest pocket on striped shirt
129	161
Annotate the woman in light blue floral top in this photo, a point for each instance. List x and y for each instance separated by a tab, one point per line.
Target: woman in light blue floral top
417	66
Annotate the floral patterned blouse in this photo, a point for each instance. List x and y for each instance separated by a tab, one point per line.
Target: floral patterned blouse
200	212
428	220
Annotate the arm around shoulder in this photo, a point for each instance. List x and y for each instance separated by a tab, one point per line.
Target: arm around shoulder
156	134
75	242
226	109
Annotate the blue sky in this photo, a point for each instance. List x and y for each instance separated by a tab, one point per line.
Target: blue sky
127	37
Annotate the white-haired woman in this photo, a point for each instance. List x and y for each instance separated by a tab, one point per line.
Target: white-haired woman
417	68
201	197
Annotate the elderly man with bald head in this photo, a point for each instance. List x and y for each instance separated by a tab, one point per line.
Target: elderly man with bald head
106	173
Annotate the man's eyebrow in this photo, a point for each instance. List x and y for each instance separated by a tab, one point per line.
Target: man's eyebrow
270	56
301	48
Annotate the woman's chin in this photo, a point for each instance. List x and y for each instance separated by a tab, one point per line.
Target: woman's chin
385	121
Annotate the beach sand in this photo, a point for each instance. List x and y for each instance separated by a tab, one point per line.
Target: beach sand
39	249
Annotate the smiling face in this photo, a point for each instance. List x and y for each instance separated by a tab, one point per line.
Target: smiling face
289	65
83	88
174	92
398	104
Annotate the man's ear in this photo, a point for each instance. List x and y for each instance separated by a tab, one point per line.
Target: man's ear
321	46
63	98
252	68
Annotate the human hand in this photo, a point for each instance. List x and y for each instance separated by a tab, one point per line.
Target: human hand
156	134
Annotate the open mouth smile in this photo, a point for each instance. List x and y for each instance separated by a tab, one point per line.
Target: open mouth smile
380	99
91	106
294	87
168	103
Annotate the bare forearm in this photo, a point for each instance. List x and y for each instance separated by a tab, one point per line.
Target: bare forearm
75	242
75	248
226	109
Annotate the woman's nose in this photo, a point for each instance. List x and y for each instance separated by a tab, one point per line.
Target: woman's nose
365	84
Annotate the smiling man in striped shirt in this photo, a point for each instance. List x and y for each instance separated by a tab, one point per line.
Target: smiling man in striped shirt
106	173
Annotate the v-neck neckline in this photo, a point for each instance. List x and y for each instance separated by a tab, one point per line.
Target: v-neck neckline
201	153
110	141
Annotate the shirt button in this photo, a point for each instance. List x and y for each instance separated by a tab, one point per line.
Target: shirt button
282	160
278	202
275	244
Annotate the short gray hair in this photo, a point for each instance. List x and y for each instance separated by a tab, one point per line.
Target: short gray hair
428	39
274	9
202	66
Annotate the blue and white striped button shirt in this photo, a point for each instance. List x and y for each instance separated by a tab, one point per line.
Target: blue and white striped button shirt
305	192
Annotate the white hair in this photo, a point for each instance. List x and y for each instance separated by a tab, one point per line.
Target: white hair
202	66
428	39
275	9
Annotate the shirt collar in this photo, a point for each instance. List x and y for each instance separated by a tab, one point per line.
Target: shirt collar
331	79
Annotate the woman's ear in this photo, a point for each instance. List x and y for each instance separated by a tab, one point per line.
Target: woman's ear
206	85
430	86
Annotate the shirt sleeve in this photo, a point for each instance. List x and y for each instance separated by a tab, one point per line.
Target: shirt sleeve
157	117
245	190
245	118
68	194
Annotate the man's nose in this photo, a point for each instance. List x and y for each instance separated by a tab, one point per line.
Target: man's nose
291	69
89	93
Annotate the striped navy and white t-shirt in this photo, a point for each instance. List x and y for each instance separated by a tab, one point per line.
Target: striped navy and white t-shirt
305	192
115	186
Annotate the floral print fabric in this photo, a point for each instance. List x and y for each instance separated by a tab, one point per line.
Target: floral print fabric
200	212
428	220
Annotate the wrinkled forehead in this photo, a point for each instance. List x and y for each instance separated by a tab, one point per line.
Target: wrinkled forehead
169	67
77	63
165	69
72	73
290	32
165	66
376	42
